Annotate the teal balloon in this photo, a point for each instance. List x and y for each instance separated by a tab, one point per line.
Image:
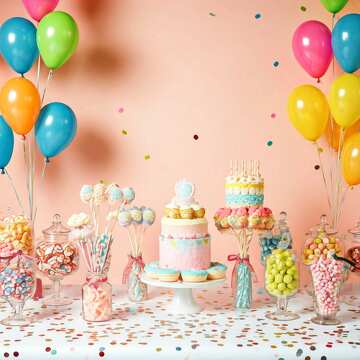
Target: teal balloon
18	44
55	129
346	42
6	143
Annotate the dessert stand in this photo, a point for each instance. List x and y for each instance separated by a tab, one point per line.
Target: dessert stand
183	301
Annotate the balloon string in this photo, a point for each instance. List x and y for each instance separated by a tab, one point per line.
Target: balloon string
42	177
38	73
15	191
50	75
27	168
319	150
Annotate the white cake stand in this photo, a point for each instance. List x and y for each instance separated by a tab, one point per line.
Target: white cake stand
183	301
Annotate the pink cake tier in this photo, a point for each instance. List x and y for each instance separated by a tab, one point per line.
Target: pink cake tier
184	244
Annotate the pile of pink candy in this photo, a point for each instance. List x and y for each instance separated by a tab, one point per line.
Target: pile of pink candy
327	274
254	217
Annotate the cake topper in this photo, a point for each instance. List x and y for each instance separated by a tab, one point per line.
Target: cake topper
184	191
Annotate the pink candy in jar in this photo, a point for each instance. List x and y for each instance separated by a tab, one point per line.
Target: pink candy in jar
97	298
327	275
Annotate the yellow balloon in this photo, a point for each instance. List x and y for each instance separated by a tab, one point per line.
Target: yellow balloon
332	133
350	160
344	99
308	111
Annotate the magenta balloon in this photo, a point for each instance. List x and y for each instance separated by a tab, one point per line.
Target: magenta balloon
37	9
312	47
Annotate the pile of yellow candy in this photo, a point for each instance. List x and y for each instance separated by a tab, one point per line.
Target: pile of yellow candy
281	274
15	235
320	245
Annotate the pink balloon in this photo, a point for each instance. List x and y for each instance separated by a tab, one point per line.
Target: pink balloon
312	47
37	9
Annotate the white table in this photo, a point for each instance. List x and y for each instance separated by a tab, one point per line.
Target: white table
146	331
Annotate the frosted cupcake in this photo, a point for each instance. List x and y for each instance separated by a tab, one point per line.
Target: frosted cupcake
172	211
199	211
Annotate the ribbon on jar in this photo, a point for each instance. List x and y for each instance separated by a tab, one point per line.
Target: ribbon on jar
132	260
239	260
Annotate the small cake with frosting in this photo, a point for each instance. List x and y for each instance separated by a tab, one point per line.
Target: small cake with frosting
244	186
184	240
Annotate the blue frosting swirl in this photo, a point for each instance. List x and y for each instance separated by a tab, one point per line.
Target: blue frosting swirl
247	199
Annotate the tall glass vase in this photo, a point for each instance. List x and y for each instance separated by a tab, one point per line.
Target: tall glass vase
137	290
242	284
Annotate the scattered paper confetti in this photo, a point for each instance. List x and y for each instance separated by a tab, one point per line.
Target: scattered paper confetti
147	157
303	8
121	110
317	167
276	63
269	143
257	16
196	137
124	132
273	115
212	14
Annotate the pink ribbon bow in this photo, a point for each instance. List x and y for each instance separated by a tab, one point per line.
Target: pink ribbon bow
132	259
240	260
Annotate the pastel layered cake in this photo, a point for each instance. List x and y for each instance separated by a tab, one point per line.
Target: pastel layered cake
244	186
184	241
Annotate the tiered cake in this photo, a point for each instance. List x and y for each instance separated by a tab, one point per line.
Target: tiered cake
185	241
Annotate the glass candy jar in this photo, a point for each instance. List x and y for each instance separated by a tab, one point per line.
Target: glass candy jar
96	298
57	256
281	282
17	285
352	295
328	276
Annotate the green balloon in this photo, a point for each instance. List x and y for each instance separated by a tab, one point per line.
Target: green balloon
334	6
57	38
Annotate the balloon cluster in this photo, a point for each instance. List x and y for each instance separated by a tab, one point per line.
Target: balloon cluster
337	116
55	39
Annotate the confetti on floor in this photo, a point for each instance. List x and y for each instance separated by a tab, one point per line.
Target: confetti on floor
120	110
257	16
269	143
303	8
147	157
124	132
273	115
212	14
276	63
196	137
317	167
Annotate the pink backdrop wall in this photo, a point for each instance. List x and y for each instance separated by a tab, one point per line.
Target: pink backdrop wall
177	71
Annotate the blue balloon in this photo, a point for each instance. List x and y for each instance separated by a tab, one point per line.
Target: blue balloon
55	128
18	44
6	143
346	42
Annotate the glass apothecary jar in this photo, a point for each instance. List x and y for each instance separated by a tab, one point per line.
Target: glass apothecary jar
281	282
96	298
17	285
57	256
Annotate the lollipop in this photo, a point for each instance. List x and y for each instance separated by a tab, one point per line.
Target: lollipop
148	216
129	194
99	193
86	193
124	218
136	215
114	194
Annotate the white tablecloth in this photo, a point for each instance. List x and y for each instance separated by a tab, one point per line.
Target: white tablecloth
146	331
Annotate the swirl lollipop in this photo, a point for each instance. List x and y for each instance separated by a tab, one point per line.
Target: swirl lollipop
86	193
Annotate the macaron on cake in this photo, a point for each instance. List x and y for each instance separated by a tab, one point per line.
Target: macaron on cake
185	242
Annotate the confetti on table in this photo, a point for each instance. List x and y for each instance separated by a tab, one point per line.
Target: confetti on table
147	157
124	132
303	8
276	63
120	110
196	137
257	16
212	14
273	115
269	143
317	167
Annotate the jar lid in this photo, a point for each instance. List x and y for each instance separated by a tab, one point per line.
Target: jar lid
57	229
355	231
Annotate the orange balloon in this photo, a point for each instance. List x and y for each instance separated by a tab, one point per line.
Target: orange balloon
20	104
350	160
332	133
